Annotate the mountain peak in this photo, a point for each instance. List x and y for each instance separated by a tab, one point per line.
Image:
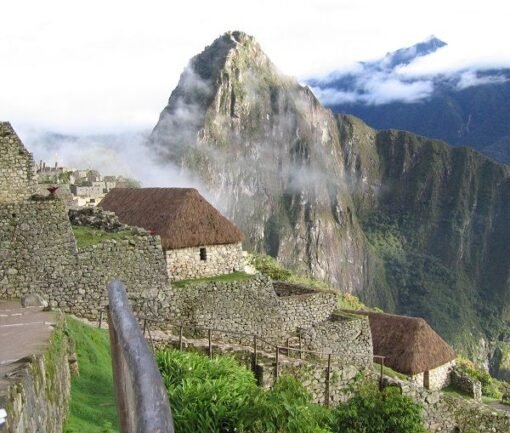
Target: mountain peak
406	55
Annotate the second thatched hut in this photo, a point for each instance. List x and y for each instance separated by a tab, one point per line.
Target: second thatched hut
410	346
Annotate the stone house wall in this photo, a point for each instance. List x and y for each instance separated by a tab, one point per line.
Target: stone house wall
436	378
346	337
205	261
439	377
16	167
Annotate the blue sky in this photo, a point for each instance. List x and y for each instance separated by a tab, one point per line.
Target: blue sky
109	66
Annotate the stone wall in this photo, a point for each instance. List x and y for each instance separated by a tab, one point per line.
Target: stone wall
97	218
38	254
16	167
248	306
348	338
38	398
446	413
189	263
466	384
313	376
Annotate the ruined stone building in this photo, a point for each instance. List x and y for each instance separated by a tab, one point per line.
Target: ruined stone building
198	241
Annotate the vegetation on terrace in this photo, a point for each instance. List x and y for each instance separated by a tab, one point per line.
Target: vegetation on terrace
219	395
92	408
87	236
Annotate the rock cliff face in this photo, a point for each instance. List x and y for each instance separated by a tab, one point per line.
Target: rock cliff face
408	223
269	154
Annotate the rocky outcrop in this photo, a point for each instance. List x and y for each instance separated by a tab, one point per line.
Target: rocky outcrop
284	186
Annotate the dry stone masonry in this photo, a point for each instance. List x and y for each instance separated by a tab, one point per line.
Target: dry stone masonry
38	398
16	167
251	307
348	338
38	254
205	261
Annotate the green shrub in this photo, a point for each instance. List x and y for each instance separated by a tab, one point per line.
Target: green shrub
268	266
219	395
206	395
288	408
371	411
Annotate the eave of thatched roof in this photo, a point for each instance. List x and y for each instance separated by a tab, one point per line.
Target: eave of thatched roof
180	216
408	344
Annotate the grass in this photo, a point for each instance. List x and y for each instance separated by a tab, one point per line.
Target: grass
387	371
234	276
87	236
270	267
92	408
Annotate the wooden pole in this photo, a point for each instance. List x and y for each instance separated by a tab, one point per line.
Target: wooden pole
210	343
381	375
328	378
277	360
181	329
100	318
254	366
300	353
144	326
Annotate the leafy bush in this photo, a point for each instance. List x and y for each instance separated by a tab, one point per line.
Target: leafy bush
268	266
288	407
221	396
371	411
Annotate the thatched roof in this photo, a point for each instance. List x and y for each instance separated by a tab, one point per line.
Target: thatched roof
409	344
181	216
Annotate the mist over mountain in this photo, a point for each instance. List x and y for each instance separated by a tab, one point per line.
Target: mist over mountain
408	223
468	106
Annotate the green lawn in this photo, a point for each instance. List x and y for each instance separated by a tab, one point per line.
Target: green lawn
86	236
92	408
234	276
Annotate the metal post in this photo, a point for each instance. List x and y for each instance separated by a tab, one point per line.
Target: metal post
144	326
210	343
100	318
181	329
328	377
254	366
276	362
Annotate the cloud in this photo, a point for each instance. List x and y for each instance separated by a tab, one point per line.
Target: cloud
473	78
117	155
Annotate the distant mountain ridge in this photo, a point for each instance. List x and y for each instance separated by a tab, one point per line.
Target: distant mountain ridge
468	107
406	222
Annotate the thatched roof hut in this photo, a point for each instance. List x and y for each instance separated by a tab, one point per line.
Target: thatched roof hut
408	344
181	216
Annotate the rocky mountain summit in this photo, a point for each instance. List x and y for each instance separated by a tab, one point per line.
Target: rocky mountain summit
407	223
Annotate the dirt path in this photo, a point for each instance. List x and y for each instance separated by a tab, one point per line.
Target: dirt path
23	332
